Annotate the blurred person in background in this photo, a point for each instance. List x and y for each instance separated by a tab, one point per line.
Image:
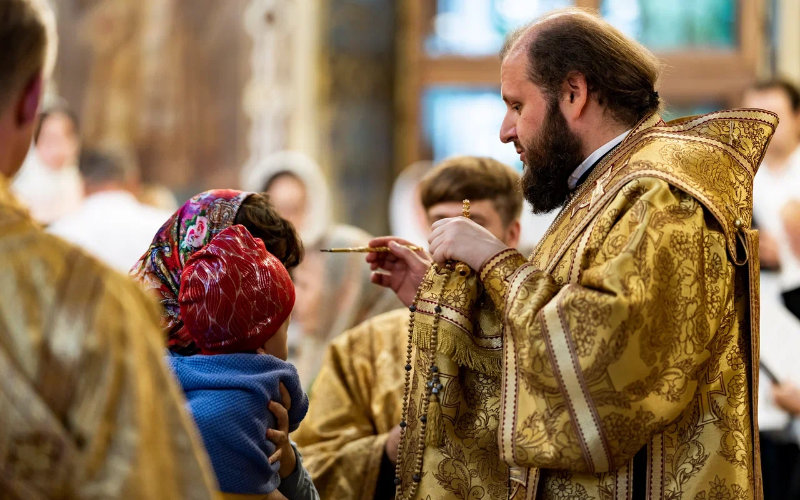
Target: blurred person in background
49	182
333	291
351	433
88	408
406	214
111	223
775	191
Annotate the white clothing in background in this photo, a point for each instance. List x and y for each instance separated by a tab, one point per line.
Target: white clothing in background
771	191
48	193
113	226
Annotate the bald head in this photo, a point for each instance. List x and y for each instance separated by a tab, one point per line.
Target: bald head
621	74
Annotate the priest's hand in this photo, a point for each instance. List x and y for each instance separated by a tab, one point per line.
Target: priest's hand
402	269
462	239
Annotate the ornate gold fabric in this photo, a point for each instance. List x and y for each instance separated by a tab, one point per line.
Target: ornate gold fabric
629	339
354	403
88	408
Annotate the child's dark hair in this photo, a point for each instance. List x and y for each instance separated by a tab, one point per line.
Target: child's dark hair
257	214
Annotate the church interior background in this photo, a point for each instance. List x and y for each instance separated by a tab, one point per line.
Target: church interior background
200	90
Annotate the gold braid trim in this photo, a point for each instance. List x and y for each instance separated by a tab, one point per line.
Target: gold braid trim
457	345
496	272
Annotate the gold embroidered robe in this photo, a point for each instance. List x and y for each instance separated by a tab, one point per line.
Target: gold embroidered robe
88	408
354	403
627	345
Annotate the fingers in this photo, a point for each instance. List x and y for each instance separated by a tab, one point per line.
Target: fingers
381	279
383	258
281	415
285	397
383	241
278	451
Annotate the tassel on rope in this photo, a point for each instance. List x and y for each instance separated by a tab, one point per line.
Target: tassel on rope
434	431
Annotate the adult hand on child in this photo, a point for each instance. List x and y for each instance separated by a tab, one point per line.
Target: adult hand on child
280	436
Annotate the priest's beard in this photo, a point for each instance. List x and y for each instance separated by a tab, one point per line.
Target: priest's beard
550	159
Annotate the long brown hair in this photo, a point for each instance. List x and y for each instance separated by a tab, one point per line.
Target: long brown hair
620	72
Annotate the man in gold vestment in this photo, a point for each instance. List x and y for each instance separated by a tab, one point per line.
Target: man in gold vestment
628	361
349	437
87	406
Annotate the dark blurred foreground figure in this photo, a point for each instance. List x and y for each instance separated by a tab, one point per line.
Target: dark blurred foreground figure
620	360
88	408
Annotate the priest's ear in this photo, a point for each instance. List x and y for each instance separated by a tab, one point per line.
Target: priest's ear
27	102
574	95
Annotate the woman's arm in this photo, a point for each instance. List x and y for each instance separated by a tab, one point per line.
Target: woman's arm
296	482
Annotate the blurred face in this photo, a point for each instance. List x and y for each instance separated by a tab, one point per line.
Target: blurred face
483	213
277	345
288	196
787	134
58	143
535	125
308	291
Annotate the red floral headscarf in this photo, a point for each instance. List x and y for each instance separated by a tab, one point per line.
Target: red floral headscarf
187	231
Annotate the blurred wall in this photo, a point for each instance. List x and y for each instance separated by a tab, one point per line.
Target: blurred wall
357	78
201	89
161	79
788	40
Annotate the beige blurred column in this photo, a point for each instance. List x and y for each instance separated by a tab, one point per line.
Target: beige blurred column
788	42
281	97
304	132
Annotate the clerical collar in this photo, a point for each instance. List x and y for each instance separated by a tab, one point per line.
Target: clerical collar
590	161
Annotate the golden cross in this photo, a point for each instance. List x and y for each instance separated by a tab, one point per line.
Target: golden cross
712	386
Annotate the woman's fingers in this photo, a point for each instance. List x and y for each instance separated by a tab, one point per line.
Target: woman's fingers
277	455
281	415
286	398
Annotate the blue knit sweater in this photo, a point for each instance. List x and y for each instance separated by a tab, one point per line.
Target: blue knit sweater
228	395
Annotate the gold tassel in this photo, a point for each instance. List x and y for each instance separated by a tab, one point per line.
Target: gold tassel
434	427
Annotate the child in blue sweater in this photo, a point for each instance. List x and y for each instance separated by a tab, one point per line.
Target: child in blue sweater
235	299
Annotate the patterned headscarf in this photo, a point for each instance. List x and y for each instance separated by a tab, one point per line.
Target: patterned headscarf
187	231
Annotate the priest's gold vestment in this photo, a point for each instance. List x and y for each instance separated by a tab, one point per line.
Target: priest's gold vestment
88	408
621	359
354	403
